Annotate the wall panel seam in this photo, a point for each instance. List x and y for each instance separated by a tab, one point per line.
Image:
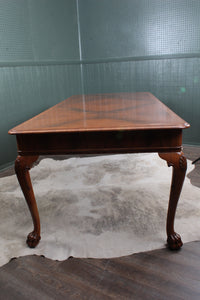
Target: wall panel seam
98	60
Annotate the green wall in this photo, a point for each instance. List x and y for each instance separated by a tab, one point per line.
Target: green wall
133	28
145	45
39	61
51	49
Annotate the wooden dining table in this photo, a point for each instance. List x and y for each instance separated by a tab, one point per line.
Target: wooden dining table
103	123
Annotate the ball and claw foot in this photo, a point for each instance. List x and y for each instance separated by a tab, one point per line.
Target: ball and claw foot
33	239
174	241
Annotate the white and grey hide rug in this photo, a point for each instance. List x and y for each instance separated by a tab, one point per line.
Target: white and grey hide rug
101	207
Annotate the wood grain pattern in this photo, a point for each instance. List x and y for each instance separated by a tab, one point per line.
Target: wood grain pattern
104	112
158	274
103	123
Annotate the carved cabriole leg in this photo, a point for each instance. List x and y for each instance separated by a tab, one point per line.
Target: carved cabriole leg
178	161
22	166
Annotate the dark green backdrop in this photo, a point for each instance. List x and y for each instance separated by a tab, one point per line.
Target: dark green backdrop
51	49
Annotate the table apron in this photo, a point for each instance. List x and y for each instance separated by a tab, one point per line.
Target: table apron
167	140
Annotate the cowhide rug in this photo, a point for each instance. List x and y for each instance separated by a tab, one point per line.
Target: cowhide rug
104	206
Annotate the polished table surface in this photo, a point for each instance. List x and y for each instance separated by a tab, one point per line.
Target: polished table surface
103	123
120	111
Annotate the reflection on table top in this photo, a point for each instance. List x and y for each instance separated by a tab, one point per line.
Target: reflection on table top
103	112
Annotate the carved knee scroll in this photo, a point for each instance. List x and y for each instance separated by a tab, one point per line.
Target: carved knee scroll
175	159
179	163
22	166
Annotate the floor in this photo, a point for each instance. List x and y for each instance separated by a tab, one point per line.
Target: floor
159	274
